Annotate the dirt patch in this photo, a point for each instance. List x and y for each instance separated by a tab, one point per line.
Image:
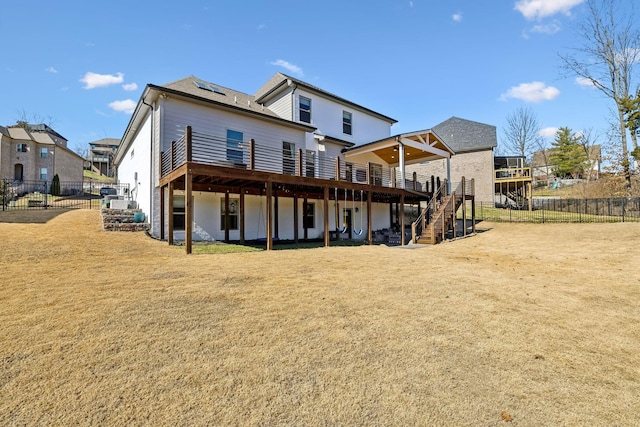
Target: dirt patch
538	322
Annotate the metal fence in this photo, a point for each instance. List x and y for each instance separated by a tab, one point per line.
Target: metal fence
553	210
16	195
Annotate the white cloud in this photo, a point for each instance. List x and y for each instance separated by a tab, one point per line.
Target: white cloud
410	3
93	80
288	66
585	82
551	28
51	70
129	87
536	9
262	26
549	132
125	106
457	17
531	92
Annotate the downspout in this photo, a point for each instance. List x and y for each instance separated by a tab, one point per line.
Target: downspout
151	169
293	100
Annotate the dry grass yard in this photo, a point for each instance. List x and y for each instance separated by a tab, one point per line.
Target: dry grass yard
536	324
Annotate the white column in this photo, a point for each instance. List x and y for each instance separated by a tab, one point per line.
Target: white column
402	172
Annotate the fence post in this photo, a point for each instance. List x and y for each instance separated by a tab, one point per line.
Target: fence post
624	202
4	194
44	192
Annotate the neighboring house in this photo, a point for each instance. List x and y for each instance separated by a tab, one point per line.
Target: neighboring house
543	167
37	153
292	161
473	144
101	154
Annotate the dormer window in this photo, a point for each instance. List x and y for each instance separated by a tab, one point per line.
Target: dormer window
346	122
305	109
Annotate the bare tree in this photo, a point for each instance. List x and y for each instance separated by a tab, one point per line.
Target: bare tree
589	142
610	47
26	119
522	132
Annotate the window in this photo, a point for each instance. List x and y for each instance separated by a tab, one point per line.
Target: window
22	148
233	214
348	171
376	174
310	163
43	174
178	213
346	122
305	109
308	215
44	152
234	146
288	158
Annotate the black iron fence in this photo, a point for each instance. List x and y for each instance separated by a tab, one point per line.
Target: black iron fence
15	195
546	210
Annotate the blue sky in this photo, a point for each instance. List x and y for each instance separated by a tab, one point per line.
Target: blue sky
84	65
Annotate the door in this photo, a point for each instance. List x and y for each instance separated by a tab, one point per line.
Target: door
18	172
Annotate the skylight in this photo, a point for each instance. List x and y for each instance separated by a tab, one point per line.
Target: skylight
208	87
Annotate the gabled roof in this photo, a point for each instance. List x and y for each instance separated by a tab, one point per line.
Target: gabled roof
466	135
280	82
419	146
4	131
194	89
223	95
39	133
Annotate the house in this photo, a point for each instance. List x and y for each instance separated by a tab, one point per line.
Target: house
36	152
292	161
101	153
473	144
543	167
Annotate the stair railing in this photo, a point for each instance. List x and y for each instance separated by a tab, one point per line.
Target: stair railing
426	216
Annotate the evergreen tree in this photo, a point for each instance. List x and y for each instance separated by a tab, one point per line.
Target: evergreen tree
567	154
55	185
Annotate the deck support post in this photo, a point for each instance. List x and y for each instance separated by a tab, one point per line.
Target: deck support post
402	239
464	207
226	217
162	193
304	224
276	225
369	218
296	220
188	209
326	216
170	214
269	221
242	212
473	205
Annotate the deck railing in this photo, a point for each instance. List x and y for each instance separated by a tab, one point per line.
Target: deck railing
513	174
213	150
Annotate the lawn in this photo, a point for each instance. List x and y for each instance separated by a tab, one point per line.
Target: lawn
534	323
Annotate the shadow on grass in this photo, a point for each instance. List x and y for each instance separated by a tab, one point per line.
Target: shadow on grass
31	216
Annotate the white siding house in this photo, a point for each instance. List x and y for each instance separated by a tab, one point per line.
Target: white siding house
207	162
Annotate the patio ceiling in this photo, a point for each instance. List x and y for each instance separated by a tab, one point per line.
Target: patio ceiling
419	147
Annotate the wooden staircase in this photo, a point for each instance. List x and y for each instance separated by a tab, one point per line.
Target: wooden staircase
442	220
439	217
